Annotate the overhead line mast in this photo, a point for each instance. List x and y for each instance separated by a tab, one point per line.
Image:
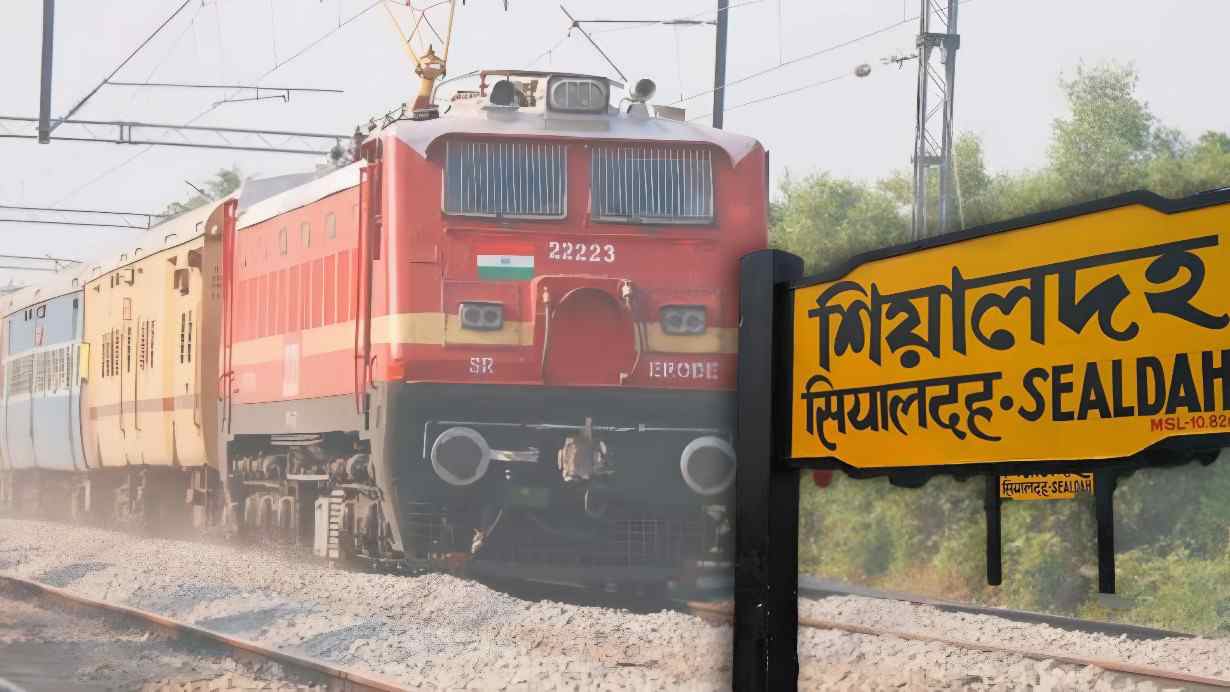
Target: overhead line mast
719	65
937	35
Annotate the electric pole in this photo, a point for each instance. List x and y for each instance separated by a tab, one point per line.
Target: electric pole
719	66
44	101
937	34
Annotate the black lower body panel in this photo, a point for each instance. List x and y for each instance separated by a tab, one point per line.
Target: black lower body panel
621	514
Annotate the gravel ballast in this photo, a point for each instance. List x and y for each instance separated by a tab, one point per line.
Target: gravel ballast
48	648
440	632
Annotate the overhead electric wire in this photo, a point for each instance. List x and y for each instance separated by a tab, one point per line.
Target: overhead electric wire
131	55
779	94
649	22
245	87
15	267
80	224
44	259
166	56
78	211
213	107
552	49
809	56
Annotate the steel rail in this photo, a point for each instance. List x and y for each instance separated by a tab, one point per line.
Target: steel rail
810	587
337	678
725	612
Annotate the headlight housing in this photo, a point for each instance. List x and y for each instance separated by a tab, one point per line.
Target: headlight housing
683	319
481	316
567	94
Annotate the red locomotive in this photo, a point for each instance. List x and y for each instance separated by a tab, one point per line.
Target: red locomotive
507	334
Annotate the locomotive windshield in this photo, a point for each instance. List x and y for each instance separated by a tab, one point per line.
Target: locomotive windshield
658	184
505	179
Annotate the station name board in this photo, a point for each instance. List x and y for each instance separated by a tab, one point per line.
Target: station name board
1082	337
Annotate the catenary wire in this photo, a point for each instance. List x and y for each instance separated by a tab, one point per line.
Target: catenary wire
211	108
131	55
779	94
166	56
808	56
702	13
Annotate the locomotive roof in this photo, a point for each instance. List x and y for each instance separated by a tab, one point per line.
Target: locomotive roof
260	200
475	117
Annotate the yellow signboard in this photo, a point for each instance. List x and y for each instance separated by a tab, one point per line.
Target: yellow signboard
1045	486
1091	336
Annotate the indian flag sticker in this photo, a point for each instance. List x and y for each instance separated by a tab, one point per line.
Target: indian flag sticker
506	267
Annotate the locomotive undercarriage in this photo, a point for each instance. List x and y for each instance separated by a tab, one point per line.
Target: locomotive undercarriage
564	485
297	488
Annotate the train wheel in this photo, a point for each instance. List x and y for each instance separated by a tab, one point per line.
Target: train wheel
287	519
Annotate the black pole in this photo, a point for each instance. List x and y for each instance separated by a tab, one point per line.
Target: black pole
766	488
1104	511
992	504
719	64
44	98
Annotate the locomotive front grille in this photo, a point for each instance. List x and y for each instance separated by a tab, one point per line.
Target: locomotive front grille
628	543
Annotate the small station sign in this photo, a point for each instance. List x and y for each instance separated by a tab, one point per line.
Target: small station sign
1045	486
1050	354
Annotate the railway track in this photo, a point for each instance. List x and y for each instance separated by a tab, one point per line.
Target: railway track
315	673
723	612
811	587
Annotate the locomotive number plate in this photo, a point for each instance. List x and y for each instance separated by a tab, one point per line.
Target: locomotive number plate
580	252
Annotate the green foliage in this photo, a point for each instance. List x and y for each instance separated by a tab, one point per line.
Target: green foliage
1105	143
1178	591
1172	524
827	220
223	183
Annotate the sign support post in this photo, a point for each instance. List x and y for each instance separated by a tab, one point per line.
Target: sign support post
992	503
1104	512
766	489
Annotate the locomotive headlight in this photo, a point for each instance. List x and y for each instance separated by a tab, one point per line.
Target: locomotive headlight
708	465
481	316
460	456
568	94
683	319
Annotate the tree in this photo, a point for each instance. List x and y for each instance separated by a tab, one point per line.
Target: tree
1103	146
223	183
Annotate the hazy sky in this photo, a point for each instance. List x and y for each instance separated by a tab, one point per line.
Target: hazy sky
1012	55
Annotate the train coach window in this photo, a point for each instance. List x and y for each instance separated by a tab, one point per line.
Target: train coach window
505	179
330	226
282	242
305	234
652	185
182	283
